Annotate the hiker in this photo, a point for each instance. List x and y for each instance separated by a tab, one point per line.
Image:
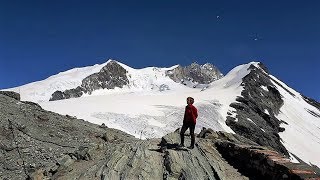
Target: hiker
189	121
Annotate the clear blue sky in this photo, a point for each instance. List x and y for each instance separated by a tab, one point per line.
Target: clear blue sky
41	38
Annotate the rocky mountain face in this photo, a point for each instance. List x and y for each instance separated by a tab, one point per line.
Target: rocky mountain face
259	106
114	75
37	144
254	115
110	76
195	74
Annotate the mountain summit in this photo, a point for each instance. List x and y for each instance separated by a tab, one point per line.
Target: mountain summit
116	75
149	103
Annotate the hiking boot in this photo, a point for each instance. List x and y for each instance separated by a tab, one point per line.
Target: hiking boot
181	145
190	147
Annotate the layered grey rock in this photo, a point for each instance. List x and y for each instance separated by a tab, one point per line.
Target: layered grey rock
11	94
195	74
257	162
33	140
202	162
110	76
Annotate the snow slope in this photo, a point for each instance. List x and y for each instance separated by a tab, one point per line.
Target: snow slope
150	78
42	90
302	131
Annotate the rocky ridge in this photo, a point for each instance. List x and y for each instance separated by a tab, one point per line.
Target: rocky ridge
110	76
37	144
113	75
195	75
256	109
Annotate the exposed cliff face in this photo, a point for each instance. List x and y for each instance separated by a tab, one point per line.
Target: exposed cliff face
256	109
195	74
110	76
43	145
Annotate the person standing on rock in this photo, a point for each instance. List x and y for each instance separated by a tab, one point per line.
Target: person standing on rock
189	121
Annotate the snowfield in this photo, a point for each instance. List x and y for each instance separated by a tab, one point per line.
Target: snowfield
146	112
42	90
302	131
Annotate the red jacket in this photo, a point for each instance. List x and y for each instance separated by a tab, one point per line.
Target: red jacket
190	114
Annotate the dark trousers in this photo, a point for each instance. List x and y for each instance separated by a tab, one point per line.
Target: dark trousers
191	127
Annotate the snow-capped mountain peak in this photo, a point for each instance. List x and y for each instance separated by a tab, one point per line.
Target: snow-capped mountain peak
108	78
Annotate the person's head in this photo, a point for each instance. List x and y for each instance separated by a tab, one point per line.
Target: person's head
190	100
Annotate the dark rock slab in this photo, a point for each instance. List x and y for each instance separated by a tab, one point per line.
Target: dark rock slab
259	162
110	76
256	110
201	74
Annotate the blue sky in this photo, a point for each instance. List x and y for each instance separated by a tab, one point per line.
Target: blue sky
41	38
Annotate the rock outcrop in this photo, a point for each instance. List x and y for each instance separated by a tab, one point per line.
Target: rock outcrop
256	109
195	74
110	76
114	75
37	144
11	94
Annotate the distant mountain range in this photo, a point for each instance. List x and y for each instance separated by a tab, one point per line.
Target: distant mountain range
149	103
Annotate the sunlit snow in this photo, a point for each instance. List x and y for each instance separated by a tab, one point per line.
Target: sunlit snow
302	134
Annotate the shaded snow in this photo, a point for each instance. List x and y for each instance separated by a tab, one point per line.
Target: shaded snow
302	134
